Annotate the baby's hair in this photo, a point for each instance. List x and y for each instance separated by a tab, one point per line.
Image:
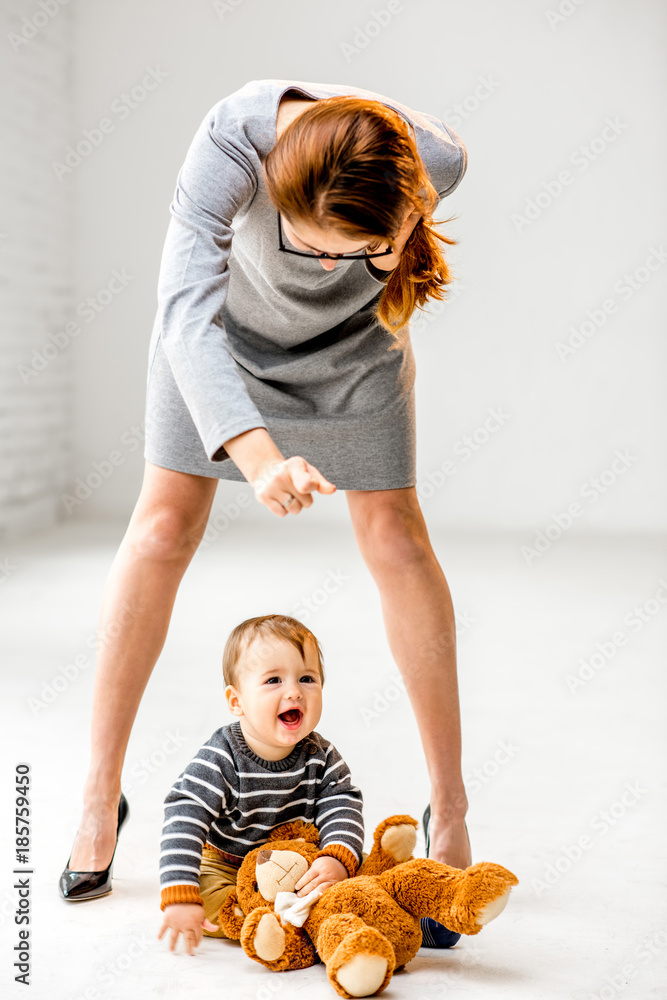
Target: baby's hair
276	626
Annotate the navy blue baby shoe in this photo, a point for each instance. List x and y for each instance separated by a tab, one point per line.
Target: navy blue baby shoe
435	935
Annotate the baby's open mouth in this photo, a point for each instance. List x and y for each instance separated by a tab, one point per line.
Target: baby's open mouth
292	718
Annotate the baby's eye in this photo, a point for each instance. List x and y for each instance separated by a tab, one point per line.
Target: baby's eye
272	679
308	678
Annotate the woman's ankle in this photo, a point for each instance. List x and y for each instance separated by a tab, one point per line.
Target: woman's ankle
101	796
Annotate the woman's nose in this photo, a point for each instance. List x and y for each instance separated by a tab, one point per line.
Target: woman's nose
327	264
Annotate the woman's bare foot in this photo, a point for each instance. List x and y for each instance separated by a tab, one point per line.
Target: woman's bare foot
96	837
448	841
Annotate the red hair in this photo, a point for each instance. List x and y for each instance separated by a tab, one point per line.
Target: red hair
351	164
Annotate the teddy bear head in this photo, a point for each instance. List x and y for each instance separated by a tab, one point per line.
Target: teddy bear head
277	865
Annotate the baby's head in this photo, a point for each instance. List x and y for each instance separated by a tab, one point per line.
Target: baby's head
272	666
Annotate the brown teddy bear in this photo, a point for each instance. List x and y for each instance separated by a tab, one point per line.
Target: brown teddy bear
364	928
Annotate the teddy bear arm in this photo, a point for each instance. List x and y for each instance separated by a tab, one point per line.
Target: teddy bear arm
393	843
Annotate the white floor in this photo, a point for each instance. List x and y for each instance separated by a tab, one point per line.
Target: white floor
566	788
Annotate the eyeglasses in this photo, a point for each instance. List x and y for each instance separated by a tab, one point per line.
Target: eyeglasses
328	256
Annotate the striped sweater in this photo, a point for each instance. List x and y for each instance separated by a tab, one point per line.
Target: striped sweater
231	799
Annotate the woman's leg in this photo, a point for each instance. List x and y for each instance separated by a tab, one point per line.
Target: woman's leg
419	619
164	532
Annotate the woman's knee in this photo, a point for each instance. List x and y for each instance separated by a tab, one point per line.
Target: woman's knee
165	532
390	529
171	514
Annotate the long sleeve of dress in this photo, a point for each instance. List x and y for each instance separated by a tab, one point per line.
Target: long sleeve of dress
214	182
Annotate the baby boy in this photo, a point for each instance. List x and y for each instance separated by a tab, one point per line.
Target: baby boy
267	768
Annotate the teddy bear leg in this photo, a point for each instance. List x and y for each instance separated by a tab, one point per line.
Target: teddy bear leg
481	895
275	945
359	959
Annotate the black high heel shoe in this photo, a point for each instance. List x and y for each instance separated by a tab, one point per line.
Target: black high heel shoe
76	887
434	934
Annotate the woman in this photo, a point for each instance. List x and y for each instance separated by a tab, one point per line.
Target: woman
284	359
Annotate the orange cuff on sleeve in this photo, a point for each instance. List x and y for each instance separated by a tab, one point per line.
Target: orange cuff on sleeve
180	894
342	854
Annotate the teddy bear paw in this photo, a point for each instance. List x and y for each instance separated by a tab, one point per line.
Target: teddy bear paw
263	936
362	964
482	895
493	909
399	841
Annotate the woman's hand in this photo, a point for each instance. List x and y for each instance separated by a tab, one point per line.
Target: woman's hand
277	481
389	262
187	919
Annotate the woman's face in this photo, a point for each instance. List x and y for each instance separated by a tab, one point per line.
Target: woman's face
308	237
305	237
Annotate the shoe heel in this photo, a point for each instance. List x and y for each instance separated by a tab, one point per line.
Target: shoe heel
77	887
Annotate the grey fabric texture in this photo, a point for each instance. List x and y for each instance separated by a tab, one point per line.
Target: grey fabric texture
232	798
246	336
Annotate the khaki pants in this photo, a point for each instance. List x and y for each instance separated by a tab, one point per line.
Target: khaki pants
216	878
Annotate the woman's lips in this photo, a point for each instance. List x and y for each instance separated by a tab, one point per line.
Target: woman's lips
292	718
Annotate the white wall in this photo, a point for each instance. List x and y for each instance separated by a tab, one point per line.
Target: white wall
552	83
36	392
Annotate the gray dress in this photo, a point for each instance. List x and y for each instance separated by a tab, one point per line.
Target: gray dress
247	336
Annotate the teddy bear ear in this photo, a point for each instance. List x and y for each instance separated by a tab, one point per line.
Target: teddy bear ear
297	830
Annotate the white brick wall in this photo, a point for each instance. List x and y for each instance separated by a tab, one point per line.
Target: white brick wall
35	262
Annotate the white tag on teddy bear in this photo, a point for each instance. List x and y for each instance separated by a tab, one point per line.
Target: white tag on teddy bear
293	909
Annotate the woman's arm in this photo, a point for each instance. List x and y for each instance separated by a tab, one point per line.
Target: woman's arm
214	182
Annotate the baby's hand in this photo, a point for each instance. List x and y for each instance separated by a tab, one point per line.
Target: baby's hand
187	919
324	871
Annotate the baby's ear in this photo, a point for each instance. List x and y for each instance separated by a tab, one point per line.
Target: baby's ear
233	700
